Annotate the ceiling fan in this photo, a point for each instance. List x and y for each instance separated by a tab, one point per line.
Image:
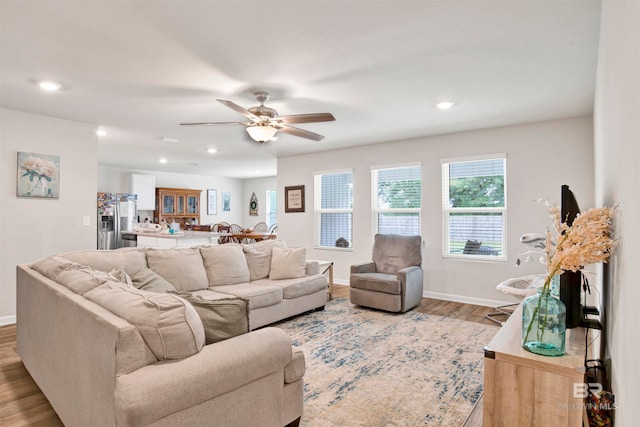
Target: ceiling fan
264	122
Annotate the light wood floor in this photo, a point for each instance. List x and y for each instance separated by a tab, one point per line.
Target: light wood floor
23	404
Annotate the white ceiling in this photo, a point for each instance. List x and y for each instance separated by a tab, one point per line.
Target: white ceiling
137	69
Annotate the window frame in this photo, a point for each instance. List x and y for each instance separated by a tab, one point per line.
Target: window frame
318	210
375	210
269	208
447	210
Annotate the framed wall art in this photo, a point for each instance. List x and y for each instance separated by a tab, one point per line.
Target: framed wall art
294	198
38	175
226	201
212	202
253	205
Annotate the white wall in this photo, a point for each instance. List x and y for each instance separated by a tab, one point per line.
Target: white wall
31	228
617	161
540	158
112	179
260	187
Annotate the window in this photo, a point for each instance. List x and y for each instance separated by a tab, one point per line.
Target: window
397	200
272	207
474	207
334	209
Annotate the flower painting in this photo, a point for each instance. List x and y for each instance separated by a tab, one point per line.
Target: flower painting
38	175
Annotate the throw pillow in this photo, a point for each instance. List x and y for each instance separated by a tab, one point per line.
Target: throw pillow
225	264
149	280
258	257
222	318
169	325
182	268
288	263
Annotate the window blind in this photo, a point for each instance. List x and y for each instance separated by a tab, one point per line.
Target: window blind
334	209
474	208
397	200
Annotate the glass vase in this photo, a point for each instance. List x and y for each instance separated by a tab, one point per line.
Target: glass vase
544	324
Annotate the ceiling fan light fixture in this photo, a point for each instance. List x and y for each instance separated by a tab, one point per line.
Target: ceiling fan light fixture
261	133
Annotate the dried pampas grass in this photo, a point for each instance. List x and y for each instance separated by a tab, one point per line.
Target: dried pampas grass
589	239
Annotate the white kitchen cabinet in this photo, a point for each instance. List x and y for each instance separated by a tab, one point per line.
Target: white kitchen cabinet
145	187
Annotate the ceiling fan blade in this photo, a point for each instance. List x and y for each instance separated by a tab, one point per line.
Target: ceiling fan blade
301	133
248	114
307	118
215	123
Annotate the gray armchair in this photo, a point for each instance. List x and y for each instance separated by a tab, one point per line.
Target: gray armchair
393	281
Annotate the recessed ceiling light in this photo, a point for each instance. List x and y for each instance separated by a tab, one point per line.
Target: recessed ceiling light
257	172
49	86
212	151
101	132
445	105
163	160
167	139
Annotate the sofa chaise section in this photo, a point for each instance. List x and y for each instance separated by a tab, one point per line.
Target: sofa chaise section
245	388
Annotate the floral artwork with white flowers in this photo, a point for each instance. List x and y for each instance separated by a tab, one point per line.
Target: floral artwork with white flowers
38	175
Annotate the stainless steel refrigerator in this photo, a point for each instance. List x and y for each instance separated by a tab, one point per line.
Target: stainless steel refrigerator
117	212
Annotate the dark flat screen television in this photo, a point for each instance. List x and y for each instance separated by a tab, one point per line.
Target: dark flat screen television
570	282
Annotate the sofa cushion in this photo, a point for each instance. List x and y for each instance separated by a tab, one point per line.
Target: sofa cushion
222	318
52	266
83	279
258	257
148	280
121	276
294	288
258	295
168	324
288	263
225	264
379	282
129	259
210	294
182	268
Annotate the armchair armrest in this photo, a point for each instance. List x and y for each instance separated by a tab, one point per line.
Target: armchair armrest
410	275
312	268
409	270
411	281
142	396
368	267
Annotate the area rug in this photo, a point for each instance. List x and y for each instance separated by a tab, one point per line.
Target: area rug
372	368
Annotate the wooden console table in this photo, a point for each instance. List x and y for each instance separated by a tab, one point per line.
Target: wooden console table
326	266
525	389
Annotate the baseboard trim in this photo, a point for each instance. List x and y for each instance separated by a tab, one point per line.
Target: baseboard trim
466	300
7	320
450	297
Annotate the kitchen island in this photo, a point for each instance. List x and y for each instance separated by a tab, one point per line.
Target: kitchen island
182	239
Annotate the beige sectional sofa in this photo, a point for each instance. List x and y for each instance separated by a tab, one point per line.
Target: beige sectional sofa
106	349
